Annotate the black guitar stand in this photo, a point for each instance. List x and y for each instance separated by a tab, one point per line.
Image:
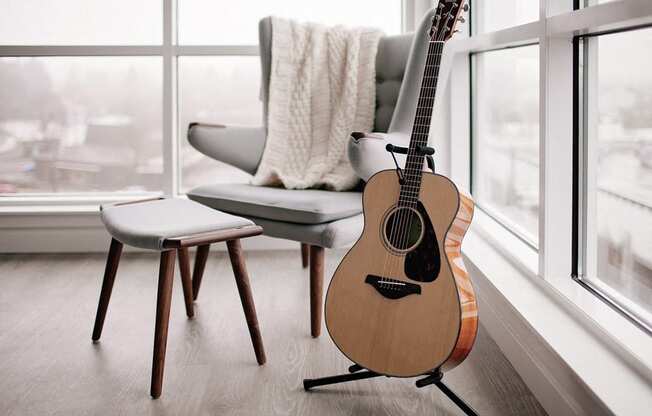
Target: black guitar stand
421	150
356	372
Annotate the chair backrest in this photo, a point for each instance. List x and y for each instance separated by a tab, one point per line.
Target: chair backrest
406	103
391	59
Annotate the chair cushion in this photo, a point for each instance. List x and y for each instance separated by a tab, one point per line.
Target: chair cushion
334	234
148	224
304	206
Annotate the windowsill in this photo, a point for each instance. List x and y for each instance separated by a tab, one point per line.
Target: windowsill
604	349
62	204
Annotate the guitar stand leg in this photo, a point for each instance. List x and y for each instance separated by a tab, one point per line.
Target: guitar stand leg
355	368
342	378
357	372
435	378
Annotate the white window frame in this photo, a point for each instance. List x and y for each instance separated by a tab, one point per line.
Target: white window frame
586	273
553	262
169	51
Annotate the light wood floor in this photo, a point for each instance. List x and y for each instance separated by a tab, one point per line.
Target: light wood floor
48	365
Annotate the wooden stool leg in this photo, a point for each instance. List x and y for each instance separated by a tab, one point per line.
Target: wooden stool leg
242	281
163	301
198	272
316	289
186	280
112	262
305	255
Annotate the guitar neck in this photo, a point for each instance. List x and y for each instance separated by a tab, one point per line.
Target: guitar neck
421	128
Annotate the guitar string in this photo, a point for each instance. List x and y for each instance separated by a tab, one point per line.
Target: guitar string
404	213
405	217
389	265
414	169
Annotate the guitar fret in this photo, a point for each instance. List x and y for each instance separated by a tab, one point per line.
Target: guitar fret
414	165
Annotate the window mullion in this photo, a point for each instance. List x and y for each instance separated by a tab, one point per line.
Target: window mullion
555	153
590	158
170	143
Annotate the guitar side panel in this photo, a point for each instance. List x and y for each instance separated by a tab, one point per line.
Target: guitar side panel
468	304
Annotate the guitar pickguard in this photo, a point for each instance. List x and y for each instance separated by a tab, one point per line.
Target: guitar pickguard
423	263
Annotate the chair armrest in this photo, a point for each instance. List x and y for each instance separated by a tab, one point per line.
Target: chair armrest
367	152
238	146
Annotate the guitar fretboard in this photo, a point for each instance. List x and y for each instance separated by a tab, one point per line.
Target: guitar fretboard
421	129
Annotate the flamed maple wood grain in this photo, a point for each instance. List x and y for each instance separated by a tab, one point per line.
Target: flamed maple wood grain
418	333
469	323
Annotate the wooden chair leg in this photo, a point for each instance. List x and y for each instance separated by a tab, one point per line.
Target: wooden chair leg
163	301
305	255
112	262
244	289
316	289
198	272
186	280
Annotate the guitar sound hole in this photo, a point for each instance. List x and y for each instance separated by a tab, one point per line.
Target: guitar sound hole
403	229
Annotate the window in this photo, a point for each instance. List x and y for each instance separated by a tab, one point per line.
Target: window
505	143
80	124
617	168
203	22
81	22
554	142
231	97
91	103
489	16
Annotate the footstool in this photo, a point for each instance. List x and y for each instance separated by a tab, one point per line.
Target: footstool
172	226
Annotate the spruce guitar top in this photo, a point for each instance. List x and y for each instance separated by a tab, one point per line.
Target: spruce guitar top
401	302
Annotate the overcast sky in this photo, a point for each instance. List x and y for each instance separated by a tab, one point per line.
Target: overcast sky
70	22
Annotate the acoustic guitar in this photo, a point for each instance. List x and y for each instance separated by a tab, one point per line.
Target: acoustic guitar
401	302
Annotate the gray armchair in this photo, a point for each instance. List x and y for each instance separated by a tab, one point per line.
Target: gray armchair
318	219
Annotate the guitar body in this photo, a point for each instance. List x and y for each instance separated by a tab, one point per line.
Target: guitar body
405	311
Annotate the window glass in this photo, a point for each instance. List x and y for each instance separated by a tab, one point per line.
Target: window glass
505	133
489	16
206	22
619	166
218	90
83	124
81	22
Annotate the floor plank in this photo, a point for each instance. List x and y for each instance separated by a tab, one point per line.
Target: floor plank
49	366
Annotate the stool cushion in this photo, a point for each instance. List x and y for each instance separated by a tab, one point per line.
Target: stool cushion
148	224
302	206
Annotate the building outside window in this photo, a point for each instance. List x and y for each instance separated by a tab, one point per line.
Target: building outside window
617	168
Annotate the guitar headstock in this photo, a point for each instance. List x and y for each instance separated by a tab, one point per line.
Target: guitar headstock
447	15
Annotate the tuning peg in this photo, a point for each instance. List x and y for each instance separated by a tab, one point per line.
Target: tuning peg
466	7
461	19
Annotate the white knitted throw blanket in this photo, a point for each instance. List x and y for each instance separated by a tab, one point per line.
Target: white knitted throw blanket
322	88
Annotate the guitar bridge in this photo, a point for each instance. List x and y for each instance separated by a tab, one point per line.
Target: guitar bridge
392	288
